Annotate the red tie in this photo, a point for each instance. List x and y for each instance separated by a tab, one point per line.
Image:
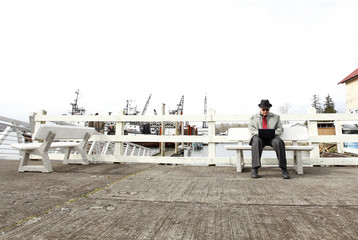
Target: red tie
264	122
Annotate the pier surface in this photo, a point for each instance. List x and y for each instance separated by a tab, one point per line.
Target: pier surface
150	201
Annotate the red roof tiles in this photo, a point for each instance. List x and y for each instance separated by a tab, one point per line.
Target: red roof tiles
350	76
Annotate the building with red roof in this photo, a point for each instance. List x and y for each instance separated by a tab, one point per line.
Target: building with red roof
351	82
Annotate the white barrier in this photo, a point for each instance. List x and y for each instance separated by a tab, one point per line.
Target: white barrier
119	139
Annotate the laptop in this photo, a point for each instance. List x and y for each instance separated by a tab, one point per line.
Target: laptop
266	133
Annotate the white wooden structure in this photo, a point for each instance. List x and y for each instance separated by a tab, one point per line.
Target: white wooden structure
130	149
119	139
290	134
11	132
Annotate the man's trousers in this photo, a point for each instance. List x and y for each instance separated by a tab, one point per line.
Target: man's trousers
257	146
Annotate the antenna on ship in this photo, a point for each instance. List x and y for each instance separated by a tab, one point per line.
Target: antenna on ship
205	124
75	109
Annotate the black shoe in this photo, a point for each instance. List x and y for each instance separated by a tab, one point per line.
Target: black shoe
285	174
254	173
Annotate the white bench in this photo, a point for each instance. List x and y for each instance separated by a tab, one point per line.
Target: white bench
49	133
292	134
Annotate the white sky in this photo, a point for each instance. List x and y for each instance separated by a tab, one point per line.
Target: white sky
236	52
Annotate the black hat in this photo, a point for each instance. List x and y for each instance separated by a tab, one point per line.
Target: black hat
265	103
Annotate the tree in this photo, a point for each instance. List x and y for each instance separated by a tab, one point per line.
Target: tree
329	105
284	108
316	103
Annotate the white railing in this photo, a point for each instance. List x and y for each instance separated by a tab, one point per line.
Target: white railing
119	139
107	148
11	132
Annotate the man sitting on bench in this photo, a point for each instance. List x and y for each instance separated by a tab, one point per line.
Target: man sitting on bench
260	138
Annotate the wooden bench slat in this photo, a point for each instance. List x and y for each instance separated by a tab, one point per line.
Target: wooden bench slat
26	146
63	132
32	146
289	134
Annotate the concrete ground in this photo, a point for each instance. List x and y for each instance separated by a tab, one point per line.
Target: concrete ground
148	201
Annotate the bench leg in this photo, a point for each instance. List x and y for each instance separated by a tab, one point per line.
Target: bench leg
67	156
24	161
82	149
84	157
46	162
297	162
25	167
240	160
83	161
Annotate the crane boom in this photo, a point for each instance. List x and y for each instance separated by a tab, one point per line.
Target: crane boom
180	107
146	105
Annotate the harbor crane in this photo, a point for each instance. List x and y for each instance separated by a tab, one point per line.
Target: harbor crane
130	110
180	107
146	105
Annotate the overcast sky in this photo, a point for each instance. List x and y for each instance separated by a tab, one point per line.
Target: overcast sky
236	52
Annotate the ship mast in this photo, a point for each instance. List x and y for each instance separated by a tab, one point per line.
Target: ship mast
205	124
75	109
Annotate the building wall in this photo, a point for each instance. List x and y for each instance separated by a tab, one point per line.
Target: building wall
352	94
327	131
